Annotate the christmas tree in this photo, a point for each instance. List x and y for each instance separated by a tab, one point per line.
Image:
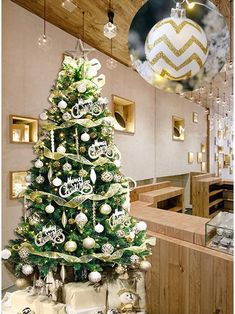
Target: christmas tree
77	202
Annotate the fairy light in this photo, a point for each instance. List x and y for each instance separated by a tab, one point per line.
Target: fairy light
217	97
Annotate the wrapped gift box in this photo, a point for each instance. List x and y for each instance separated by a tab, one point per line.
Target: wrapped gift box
48	307
93	310
82	296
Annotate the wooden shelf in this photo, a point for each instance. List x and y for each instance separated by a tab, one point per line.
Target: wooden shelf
211	180
214	214
215	192
176	209
228	199
219	200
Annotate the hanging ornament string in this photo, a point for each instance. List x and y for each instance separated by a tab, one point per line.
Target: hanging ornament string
52	141
94	214
77	142
44	19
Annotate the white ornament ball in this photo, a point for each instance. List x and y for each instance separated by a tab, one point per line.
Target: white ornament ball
107	176
169	52
117	163
134	258
81	88
85	137
66	116
107	249
38	164
61	149
88	243
141	226
70	246
21	283
81	219
49	209
62	104
27	269
94	277
28	178
105	209
144	265
40	179
6	254
43	116
99	228
57	181
67	167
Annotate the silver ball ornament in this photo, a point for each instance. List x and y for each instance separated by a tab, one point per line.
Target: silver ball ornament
40	179
43	116
70	246
57	181
99	228
94	277
27	269
107	249
38	164
61	149
85	137
88	243
134	259
67	167
66	116
144	265
49	209
81	88
62	104
6	254
105	209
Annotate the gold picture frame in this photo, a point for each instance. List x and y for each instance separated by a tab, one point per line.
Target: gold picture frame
23	130
199	157
203	166
203	148
18	184
178	128
190	157
195	117
124	114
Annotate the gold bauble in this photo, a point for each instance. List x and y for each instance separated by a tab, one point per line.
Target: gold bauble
93	135
89	116
71	221
83	173
21	283
39	200
82	149
70	246
56	164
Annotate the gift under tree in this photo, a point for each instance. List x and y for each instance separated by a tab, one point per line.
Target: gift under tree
77	202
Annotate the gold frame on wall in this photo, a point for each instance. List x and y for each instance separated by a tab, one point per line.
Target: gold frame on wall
203	148
203	166
21	127
190	157
199	157
195	117
17	177
123	111
178	128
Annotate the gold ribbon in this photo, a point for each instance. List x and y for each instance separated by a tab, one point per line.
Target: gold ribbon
115	189
87	258
86	123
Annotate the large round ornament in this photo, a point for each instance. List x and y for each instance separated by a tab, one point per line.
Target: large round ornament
145	265
105	209
99	228
61	149
21	283
49	209
107	176
88	243
38	164
81	219
57	181
27	269
107	249
62	104
6	254
40	179
85	137
70	246
94	277
176	48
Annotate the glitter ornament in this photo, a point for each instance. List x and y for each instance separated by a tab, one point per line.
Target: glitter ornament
62	104
49	209
141	226
6	254
57	181
40	179
134	259
81	219
27	269
105	209
82	149
107	249
99	228
94	277
70	246
117	178
145	265
120	269
121	234
89	116
85	137
61	149
53	109
106	176
82	173
66	116
71	221
88	243
56	164
34	219
23	253
67	167
43	116
38	164
93	135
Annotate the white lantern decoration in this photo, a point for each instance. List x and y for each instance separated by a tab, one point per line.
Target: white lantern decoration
176	47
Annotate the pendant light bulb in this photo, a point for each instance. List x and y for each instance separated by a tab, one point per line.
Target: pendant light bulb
110	30
111	63
44	41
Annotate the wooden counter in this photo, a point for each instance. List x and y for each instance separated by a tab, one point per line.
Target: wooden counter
186	277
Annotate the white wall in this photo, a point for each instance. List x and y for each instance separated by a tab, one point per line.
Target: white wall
29	73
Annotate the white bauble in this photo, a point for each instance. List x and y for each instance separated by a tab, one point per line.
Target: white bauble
70	246
85	137
134	258
99	228
176	48
27	269
61	149
117	163
66	116
28	178
81	88
38	164
145	265
49	209
6	254
141	226
67	167
43	116
105	209
94	276
81	219
88	243
57	181
62	104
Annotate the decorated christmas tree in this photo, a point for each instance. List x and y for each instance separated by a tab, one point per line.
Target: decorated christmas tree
76	222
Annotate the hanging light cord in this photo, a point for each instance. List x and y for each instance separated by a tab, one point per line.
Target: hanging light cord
44	18
230	27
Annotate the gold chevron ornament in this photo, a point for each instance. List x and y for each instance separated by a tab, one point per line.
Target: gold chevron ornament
176	47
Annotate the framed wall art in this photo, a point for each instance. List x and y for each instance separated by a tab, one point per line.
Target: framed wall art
23	129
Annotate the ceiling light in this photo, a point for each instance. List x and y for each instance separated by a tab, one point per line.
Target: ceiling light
44	41
68	5
110	30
